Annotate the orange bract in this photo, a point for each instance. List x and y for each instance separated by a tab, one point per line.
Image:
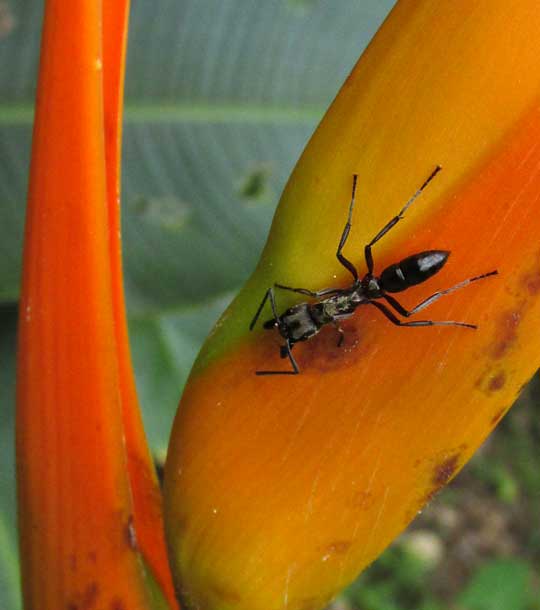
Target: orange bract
84	525
279	490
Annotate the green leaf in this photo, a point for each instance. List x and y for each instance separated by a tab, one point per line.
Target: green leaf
9	571
216	91
498	585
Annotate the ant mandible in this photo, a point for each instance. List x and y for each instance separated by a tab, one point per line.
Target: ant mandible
303	321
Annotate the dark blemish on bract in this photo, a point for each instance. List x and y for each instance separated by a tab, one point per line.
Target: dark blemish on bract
130	534
90	596
506	333
491	381
498	416
117	604
85	600
72	559
92	556
444	471
338	547
323	354
497	383
531	281
532	284
430	495
362	500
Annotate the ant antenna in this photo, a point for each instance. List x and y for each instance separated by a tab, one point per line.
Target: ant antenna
354	181
421	189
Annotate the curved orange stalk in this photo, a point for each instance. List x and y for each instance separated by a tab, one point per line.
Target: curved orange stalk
85	524
279	490
147	509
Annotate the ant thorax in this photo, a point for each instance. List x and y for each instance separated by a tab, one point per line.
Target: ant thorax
336	307
370	286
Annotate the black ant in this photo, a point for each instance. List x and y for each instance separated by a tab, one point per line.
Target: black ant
303	321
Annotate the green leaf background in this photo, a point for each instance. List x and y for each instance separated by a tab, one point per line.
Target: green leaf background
221	97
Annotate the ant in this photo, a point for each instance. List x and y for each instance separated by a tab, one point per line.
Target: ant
303	321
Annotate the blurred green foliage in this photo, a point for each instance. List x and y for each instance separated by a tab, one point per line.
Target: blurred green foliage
221	97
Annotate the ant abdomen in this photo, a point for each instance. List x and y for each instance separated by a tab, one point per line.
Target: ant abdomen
413	270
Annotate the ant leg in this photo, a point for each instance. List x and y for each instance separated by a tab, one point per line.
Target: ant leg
258	312
268	295
286	350
273	304
311	293
344	261
392	317
434	297
295	370
367	249
341	334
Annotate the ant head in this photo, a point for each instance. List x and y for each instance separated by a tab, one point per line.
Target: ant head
413	270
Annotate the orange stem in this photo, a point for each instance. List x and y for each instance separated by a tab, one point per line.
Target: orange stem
83	522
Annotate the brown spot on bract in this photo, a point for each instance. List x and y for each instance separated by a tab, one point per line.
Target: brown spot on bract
130	534
90	596
322	353
497	382
442	469
362	500
445	470
72	559
338	547
497	417
117	604
85	600
532	283
506	333
490	381
430	495
92	556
